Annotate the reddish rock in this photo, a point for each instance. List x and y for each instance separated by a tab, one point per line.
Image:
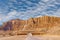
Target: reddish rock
41	24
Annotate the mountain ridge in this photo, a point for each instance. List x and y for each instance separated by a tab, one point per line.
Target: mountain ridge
42	25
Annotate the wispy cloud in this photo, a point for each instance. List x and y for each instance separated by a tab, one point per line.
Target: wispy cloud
25	10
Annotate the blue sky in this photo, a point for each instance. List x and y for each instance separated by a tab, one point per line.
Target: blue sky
25	9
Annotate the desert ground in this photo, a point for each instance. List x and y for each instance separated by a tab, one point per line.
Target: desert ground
34	37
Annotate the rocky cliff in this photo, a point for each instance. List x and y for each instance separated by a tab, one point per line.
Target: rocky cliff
44	24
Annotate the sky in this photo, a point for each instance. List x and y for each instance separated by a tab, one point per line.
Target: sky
25	9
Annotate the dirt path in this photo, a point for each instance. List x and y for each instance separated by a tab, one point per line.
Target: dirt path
23	37
13	38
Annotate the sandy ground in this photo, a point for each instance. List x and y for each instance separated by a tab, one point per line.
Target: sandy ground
35	37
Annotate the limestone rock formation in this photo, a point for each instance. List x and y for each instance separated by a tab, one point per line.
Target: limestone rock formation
42	25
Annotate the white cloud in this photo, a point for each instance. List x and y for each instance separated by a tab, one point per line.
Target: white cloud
39	10
57	13
12	13
45	0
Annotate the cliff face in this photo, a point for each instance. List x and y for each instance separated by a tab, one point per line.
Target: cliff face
43	24
13	25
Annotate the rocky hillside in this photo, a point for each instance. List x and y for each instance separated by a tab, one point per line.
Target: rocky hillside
45	24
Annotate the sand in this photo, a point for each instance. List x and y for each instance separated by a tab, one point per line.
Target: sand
34	37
